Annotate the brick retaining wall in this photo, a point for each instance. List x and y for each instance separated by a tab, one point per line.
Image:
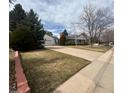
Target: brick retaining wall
22	84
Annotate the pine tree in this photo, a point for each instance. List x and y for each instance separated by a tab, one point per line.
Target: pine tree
16	16
21	39
65	32
34	23
26	30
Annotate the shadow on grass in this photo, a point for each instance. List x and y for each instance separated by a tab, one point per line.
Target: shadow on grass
36	50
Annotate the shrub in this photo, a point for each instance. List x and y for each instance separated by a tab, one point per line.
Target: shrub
22	39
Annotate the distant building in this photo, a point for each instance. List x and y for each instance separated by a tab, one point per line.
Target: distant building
50	40
76	39
107	36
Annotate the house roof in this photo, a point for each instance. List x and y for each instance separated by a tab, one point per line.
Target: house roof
51	36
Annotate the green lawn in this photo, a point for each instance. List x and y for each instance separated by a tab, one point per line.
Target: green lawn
46	69
101	48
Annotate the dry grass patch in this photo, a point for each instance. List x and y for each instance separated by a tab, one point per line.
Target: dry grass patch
101	48
46	69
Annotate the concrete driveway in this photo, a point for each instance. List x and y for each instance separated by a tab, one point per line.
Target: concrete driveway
85	54
97	77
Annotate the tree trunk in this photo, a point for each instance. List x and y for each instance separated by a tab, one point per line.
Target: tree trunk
91	42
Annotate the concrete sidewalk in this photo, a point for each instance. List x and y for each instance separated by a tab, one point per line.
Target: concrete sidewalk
106	83
85	54
94	78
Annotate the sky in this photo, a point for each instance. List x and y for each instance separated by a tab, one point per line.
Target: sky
57	15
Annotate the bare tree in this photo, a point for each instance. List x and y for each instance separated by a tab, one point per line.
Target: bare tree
104	20
88	20
108	36
95	21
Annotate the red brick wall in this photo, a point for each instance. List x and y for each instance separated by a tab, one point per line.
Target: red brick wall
22	84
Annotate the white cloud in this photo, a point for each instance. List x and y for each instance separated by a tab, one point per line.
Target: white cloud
61	11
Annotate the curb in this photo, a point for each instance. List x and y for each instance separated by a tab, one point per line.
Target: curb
97	68
85	80
22	84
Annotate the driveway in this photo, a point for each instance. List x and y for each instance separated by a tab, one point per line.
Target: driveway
85	54
97	77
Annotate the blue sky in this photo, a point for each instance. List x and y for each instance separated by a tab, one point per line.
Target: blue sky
57	15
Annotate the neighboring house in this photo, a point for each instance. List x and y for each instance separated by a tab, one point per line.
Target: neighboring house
50	40
76	39
107	37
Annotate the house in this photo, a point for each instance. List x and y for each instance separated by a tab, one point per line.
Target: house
107	38
50	40
76	39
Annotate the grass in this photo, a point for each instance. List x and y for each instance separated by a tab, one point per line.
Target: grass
45	70
101	48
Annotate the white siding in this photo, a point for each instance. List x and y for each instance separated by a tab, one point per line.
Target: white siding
49	40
